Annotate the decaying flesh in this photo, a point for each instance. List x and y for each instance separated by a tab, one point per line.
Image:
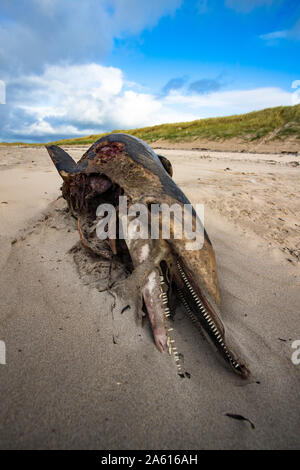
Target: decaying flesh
119	164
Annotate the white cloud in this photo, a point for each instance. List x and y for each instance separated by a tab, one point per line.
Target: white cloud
80	100
34	33
273	37
68	101
131	16
232	102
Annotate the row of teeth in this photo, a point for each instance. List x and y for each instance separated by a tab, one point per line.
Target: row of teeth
170	341
217	334
191	314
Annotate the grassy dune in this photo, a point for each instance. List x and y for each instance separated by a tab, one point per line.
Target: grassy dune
272	123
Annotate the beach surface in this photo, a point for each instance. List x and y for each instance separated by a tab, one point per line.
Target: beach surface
81	373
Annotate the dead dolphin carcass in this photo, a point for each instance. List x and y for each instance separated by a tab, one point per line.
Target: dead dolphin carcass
122	166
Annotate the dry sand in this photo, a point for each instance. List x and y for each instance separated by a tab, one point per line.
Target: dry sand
267	144
80	374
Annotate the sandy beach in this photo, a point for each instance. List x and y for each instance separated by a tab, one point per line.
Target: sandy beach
81	374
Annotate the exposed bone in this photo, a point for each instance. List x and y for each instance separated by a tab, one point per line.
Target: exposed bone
155	309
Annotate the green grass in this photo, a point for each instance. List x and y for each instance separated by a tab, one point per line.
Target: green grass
278	123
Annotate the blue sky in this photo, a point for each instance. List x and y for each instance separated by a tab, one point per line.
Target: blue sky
75	67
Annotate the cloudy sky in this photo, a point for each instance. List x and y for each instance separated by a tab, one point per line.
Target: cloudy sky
80	67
